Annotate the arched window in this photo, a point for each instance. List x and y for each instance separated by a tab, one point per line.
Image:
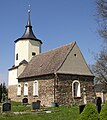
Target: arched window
76	88
26	89
17	56
19	90
35	88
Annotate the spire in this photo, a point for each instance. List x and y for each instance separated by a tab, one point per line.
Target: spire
28	34
28	22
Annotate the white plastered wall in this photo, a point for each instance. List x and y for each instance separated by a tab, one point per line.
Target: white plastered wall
24	49
21	48
12	77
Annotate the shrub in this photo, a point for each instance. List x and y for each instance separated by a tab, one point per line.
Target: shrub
89	113
103	113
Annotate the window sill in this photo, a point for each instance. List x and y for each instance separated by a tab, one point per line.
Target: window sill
76	97
18	95
35	95
25	95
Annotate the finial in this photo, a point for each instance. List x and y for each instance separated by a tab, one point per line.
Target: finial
29	8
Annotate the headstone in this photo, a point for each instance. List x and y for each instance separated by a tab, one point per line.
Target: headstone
6	107
98	104
81	108
25	101
36	105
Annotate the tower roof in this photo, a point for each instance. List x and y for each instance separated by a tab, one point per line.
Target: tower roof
28	34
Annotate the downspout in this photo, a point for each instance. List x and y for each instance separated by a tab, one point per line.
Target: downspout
55	80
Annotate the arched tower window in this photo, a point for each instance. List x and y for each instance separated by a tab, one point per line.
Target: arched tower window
33	53
26	89
17	56
76	88
35	88
19	90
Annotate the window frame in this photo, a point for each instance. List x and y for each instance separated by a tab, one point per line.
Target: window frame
35	88
25	89
19	90
76	91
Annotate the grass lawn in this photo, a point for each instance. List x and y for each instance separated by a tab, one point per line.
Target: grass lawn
63	113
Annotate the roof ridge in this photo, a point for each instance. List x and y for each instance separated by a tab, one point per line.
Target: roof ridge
72	45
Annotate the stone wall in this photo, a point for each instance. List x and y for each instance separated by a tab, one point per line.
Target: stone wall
63	89
62	93
46	90
12	93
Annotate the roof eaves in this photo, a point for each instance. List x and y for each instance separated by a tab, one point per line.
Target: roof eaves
27	39
76	74
19	78
14	67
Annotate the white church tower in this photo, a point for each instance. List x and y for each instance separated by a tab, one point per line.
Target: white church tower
26	47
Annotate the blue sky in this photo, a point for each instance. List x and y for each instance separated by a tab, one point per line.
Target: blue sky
55	22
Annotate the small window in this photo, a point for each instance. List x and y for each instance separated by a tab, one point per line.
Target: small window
26	89
76	88
33	53
19	90
35	88
17	56
75	55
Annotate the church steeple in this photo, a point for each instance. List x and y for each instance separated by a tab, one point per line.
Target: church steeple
28	22
28	34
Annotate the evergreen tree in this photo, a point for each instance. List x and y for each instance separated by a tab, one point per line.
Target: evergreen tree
89	113
3	92
0	92
103	113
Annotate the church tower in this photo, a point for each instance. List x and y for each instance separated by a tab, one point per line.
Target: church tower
26	47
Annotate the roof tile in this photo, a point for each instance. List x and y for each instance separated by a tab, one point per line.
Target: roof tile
46	63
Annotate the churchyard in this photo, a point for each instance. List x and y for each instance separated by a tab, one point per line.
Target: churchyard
21	112
18	111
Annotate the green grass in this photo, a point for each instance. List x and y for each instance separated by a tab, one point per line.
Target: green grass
62	113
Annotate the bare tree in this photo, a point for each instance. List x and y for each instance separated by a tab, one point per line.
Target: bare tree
100	67
102	17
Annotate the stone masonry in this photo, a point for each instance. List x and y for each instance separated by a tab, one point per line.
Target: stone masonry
61	93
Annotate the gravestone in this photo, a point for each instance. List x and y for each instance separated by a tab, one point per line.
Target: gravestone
25	101
6	107
98	104
36	105
81	108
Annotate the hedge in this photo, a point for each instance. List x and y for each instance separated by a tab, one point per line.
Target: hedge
103	113
89	113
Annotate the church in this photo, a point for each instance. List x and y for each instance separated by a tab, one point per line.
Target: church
60	75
